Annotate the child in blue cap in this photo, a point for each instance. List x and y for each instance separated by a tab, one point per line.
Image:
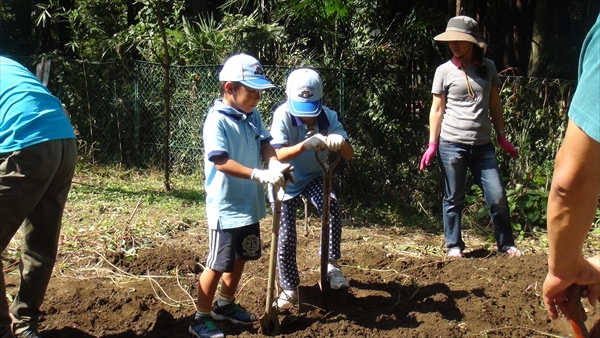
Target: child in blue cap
301	126
235	139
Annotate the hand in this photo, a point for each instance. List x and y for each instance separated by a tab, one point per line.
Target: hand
555	287
285	168
317	142
428	155
275	165
274	178
334	142
507	147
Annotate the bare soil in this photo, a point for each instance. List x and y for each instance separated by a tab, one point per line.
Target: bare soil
401	285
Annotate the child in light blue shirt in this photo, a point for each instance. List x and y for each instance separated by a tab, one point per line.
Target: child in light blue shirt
301	126
235	140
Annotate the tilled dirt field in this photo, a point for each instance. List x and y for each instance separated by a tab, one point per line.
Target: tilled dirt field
401	285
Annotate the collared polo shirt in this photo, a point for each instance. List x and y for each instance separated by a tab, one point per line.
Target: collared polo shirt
288	130
233	202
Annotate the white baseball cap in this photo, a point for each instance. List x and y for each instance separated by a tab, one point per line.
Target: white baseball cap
305	92
245	69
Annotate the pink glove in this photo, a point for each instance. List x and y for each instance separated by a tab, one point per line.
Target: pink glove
507	147
429	154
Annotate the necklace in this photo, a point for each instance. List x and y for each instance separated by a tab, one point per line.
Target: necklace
469	87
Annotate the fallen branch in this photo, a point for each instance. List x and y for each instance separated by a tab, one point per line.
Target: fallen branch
126	226
184	290
512	328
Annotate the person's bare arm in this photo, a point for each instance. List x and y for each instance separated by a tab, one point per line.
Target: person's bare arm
286	154
268	153
496	110
572	206
436	114
347	151
231	167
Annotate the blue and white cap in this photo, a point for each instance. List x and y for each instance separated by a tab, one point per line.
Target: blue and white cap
245	69
305	93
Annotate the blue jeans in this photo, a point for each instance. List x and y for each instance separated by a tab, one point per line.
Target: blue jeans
455	159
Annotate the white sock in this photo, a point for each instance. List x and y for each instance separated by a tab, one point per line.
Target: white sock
332	264
222	301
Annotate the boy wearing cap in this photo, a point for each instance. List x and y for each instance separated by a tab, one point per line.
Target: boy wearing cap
301	126
235	139
466	105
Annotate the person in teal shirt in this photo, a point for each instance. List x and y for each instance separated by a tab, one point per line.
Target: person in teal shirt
573	199
38	151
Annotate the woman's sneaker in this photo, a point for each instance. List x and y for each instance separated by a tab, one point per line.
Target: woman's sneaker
233	313
512	251
287	298
203	327
455	252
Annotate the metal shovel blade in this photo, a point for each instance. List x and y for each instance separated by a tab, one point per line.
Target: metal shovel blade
315	297
269	323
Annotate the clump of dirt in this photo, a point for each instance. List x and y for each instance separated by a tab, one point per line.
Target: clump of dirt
396	290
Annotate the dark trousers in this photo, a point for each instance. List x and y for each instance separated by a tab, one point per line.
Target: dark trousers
34	184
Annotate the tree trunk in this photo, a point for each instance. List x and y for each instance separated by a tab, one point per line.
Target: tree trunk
22	38
64	29
166	65
541	31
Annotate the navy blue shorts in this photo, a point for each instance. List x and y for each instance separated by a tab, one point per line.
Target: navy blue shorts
228	245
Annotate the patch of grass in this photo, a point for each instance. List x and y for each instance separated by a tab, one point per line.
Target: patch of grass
111	209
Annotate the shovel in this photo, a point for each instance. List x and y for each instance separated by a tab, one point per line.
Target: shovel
269	322
321	295
578	314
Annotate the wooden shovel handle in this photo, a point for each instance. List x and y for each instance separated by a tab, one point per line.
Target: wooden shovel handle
577	312
595	331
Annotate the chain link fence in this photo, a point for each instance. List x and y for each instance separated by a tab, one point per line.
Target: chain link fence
118	111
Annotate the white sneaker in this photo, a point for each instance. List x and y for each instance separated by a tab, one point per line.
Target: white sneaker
287	298
336	279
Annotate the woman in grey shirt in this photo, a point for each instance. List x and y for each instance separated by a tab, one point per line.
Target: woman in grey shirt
466	104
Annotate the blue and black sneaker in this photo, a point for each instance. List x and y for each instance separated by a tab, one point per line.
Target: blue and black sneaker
203	327
233	313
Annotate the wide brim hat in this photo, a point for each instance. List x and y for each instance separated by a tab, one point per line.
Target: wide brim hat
304	90
462	28
246	70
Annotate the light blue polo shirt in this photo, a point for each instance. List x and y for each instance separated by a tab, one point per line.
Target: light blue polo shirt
29	113
233	202
585	107
288	130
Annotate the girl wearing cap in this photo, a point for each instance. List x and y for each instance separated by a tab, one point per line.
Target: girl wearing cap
301	126
466	105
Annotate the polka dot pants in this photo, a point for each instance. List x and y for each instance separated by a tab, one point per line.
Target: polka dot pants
286	244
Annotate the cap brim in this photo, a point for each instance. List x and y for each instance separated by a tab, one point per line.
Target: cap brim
459	36
258	84
305	109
